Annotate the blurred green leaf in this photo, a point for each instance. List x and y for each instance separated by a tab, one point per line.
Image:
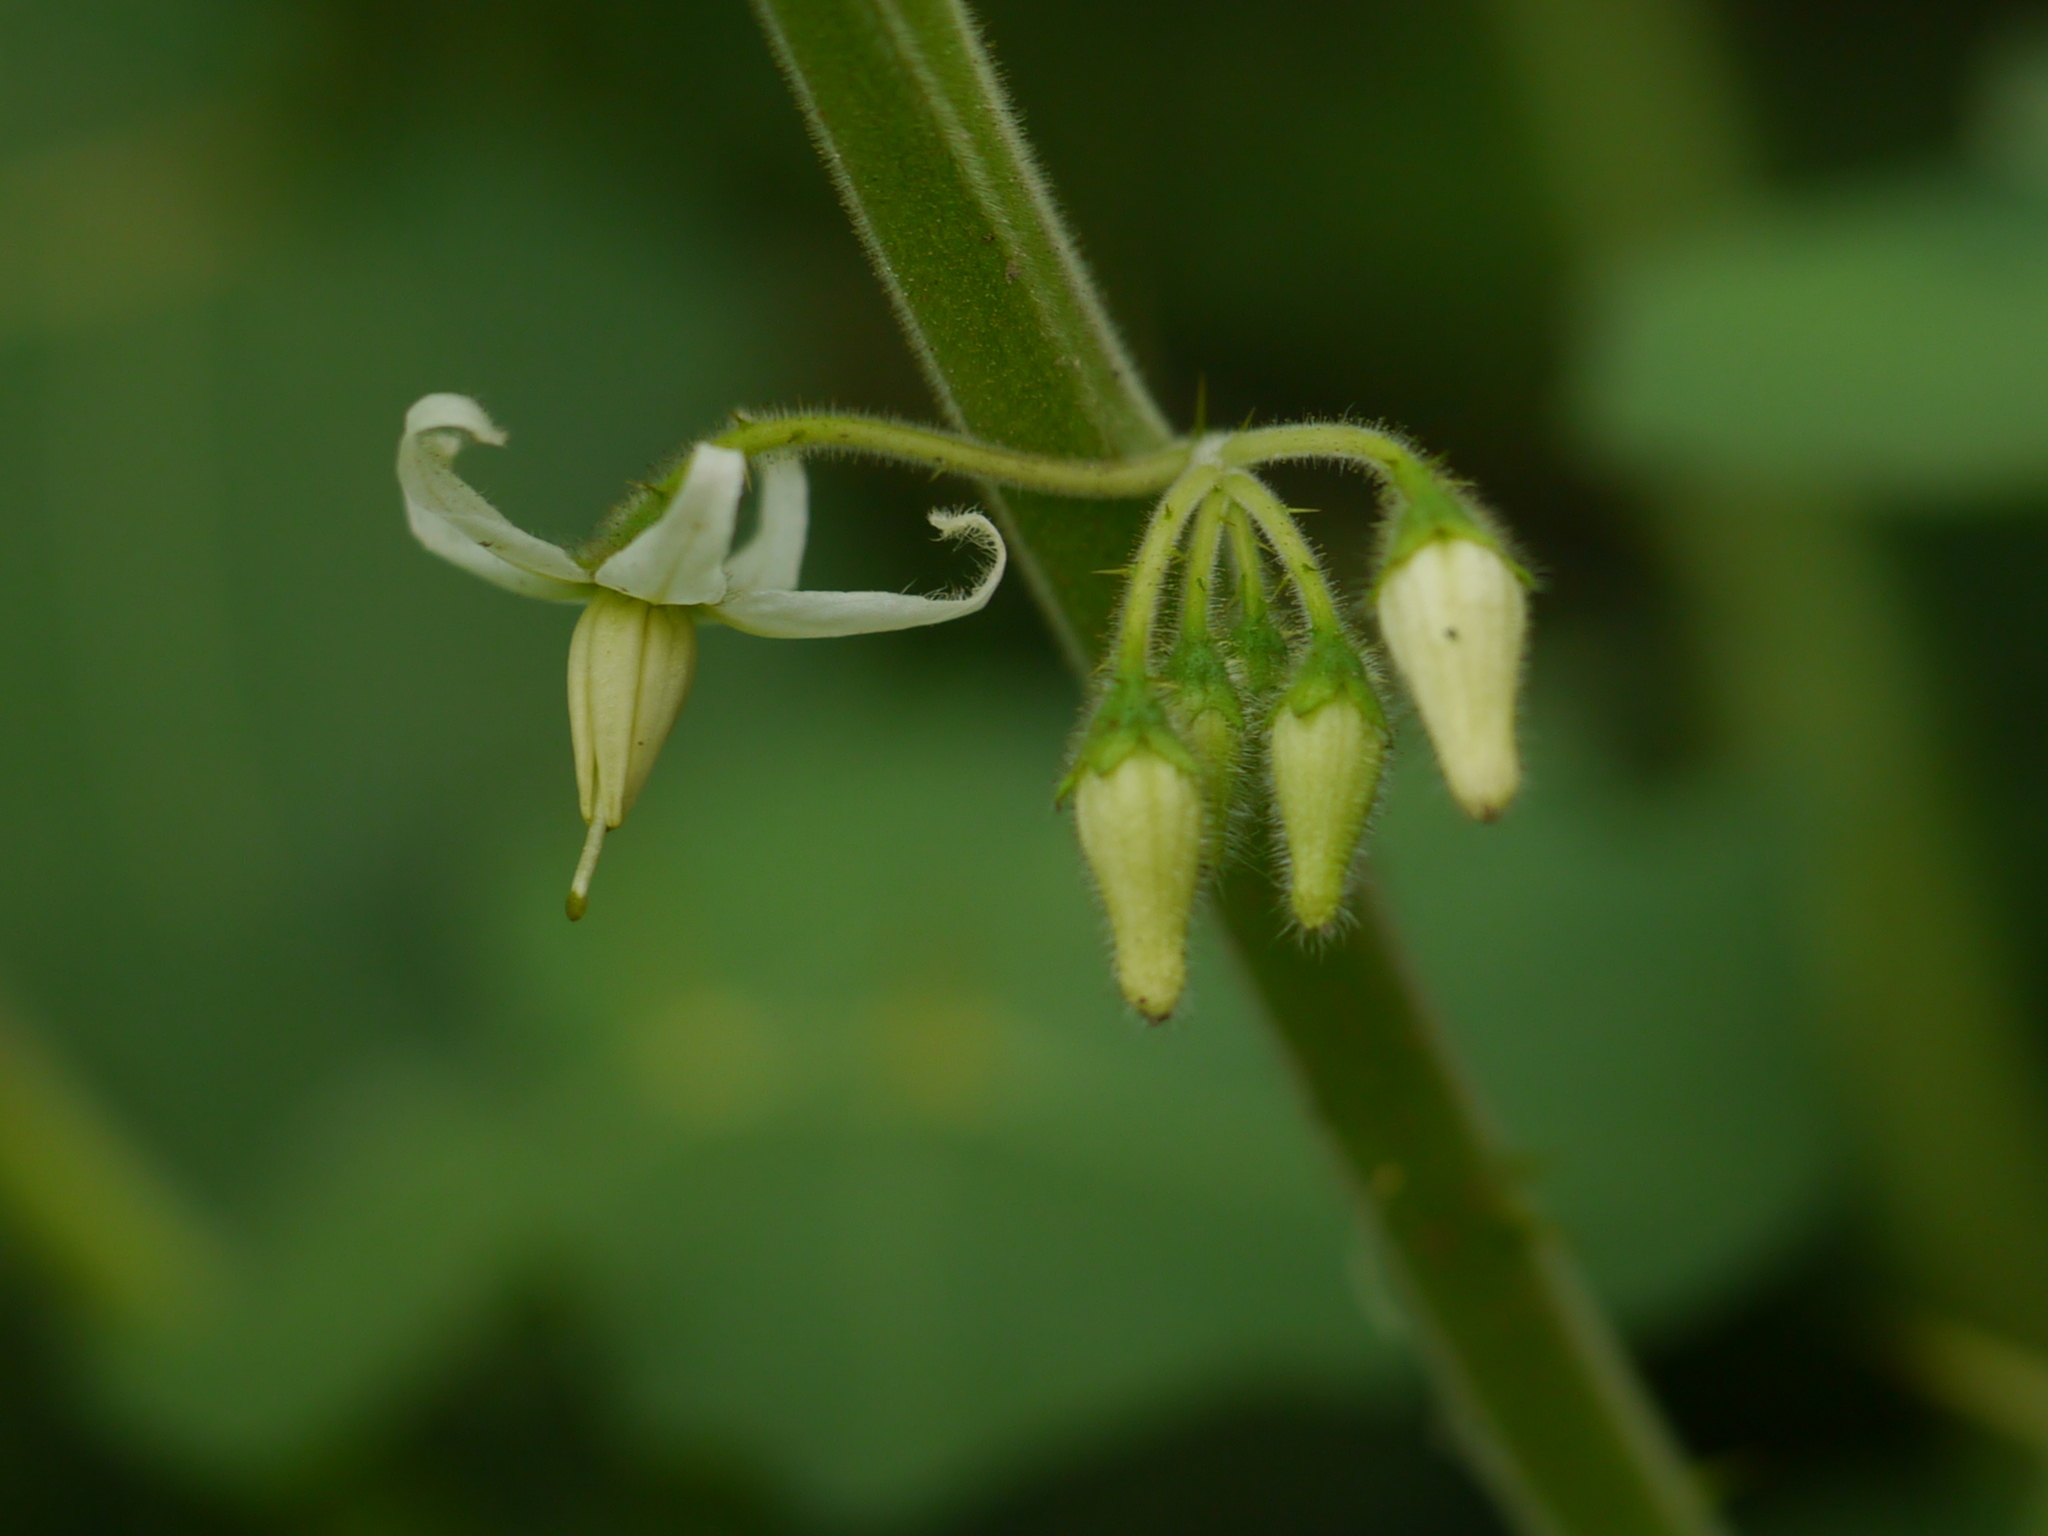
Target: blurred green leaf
900	1194
1891	339
833	1124
401	1213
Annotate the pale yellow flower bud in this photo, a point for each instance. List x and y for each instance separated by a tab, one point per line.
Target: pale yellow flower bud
1454	614
1326	765
1141	828
630	665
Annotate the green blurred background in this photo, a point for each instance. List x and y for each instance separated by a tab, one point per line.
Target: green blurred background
818	1182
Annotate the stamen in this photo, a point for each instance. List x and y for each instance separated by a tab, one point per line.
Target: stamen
579	888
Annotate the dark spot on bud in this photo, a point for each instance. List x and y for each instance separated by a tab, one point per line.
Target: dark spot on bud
1451	634
1011	271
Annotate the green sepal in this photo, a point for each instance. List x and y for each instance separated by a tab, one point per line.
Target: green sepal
1329	668
1205	704
1198	679
1262	651
1131	716
1422	505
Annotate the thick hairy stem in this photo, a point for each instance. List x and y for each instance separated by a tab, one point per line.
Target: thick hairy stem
907	111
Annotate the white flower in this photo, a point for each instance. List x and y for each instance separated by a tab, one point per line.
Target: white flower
684	558
682	565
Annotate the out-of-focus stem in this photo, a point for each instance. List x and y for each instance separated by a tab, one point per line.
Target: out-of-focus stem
1821	688
1826	694
88	1206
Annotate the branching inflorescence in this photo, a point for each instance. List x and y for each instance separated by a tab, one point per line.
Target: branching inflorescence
1235	684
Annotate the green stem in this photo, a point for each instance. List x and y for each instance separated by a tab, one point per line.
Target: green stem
1205	546
1143	475
908	112
1303	568
1338	440
1252	598
1147	581
910	119
1544	1401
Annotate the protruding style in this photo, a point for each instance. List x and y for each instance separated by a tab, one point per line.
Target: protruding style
1454	614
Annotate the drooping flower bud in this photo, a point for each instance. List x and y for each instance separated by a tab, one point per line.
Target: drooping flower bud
1454	614
1329	739
1138	806
630	665
1141	828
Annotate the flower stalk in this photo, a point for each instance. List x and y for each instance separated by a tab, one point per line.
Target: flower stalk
1206	703
1257	639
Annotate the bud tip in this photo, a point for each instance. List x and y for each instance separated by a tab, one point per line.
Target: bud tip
586	866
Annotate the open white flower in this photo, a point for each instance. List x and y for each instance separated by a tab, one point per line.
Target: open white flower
632	661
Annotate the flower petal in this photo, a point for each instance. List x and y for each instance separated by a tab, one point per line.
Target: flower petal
819	615
461	527
775	554
457	524
680	558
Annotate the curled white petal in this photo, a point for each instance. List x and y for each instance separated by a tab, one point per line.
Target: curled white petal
822	615
439	413
680	558
774	557
451	519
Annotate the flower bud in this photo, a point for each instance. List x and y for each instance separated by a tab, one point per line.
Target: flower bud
1327	744
1141	829
630	665
1454	613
